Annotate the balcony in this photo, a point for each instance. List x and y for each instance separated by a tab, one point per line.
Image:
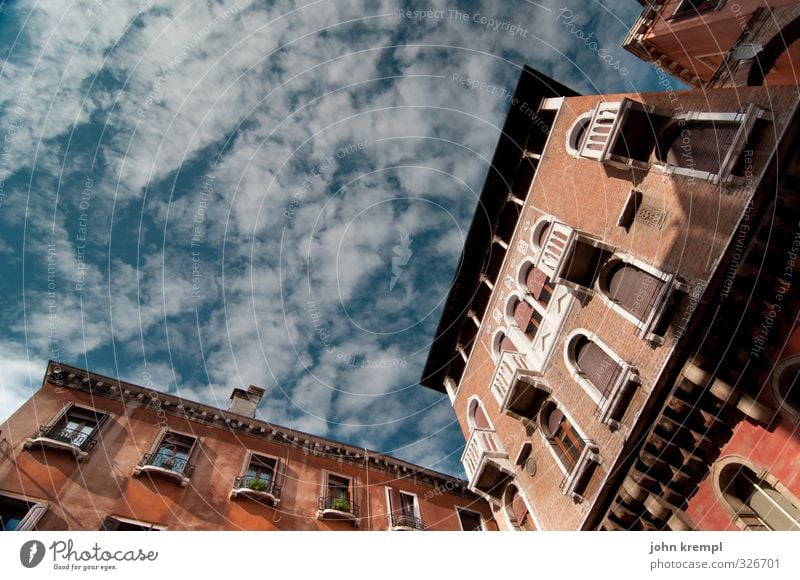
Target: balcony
486	463
555	249
259	488
574	483
649	325
79	442
337	508
403	522
622	134
168	465
516	388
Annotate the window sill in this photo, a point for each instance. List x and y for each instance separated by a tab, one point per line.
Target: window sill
79	453
176	475
255	494
334	514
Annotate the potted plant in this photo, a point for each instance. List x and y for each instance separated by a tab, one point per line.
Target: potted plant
256	484
341	504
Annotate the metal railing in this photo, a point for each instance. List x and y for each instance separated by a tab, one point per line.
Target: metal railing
406	521
260	483
169	462
338	503
74	437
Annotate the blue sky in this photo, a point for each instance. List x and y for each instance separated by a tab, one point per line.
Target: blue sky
204	195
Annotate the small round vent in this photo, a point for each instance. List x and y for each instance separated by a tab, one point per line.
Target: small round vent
530	466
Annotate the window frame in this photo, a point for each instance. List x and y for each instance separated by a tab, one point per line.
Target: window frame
273	494
570	140
181	476
354	498
36	511
458	509
44	438
415	506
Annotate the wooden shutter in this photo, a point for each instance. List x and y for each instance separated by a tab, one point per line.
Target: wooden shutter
554	421
519	509
356	493
634	289
507	344
535	281
32	517
703	147
598	367
522	314
278	476
157	441
481	422
60	414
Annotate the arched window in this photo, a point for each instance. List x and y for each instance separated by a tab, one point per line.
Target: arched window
525	316
562	436
476	416
502	343
536	282
594	364
786	385
698	145
540	231
755	501
517	510
576	136
630	287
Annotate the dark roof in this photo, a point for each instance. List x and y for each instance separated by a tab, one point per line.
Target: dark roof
531	89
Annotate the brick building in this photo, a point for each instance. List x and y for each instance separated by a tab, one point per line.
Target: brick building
714	43
89	452
619	342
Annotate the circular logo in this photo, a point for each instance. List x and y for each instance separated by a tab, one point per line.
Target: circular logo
31	553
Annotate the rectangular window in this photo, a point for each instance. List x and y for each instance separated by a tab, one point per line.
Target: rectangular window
690	7
567	444
259	475
74	428
470	521
338	493
404	510
340	497
19	514
172	455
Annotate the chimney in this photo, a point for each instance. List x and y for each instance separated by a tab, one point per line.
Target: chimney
245	402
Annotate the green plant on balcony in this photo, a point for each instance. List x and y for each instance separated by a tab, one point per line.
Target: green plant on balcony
256	484
341	504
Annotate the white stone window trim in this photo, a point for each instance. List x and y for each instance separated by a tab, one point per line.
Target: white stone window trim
629	373
471	419
536	231
417	513
671	284
458	509
506	506
572	133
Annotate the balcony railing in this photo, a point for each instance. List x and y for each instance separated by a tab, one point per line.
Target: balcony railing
336	506
556	249
515	388
168	463
257	485
574	483
602	131
486	462
406	522
78	439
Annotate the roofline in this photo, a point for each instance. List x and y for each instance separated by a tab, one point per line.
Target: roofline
531	89
115	389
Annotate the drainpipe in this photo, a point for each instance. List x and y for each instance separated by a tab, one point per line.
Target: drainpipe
366	468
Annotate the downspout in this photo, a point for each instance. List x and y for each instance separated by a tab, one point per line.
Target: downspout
366	494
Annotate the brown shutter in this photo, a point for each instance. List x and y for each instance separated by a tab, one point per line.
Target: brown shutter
522	314
60	414
535	281
278	476
507	344
157	441
634	289
598	367
519	508
356	498
703	147
481	422
554	421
